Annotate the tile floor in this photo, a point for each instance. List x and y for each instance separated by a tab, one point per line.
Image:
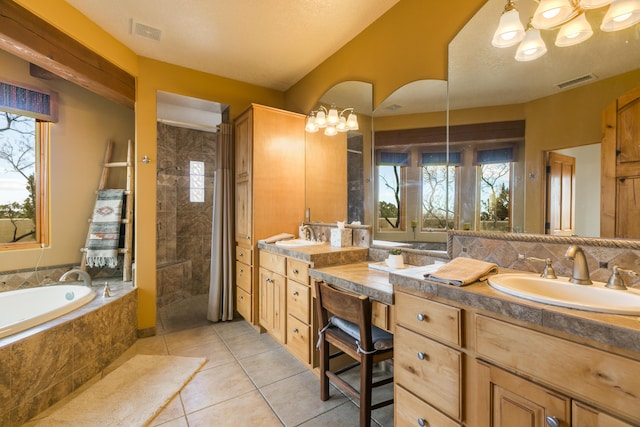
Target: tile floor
249	378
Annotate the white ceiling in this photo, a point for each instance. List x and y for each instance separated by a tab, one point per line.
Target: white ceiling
270	43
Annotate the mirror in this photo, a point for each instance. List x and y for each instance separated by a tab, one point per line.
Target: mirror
338	167
560	97
410	129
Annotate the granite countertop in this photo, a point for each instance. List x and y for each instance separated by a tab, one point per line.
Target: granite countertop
320	255
610	329
358	278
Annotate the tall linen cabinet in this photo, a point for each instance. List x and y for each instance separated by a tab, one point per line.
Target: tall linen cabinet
270	191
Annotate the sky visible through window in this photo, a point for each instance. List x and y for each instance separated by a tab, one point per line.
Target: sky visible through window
17	151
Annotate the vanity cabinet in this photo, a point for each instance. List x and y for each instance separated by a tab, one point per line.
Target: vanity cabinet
427	362
269	190
457	365
299	313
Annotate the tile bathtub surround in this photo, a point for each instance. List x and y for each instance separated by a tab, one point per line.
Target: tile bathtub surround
11	280
43	365
245	369
504	249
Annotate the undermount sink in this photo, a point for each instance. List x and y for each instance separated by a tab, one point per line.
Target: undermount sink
297	243
561	292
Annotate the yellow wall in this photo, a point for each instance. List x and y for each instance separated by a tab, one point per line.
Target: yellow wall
78	142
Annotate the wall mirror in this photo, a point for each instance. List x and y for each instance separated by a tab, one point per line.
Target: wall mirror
411	183
337	184
559	96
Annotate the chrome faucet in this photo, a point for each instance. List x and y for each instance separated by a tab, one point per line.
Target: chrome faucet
580	273
80	273
309	234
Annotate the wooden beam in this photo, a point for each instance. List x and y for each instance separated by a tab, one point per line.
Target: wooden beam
31	38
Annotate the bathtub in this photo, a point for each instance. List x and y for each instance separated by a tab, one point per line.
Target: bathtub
25	308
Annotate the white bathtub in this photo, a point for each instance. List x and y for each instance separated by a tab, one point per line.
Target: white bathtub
26	308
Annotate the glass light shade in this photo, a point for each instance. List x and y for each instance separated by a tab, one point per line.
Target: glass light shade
621	14
510	30
593	4
532	47
352	122
332	117
342	125
573	32
551	13
311	126
330	131
321	119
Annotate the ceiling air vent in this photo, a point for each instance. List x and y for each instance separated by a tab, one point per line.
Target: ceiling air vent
145	31
577	81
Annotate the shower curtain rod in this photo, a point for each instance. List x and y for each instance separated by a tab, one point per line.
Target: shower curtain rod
190	125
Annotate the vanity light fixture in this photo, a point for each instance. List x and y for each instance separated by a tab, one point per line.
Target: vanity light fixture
331	120
566	15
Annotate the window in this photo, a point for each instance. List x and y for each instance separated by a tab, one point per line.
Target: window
25	113
196	181
438	190
494	187
23	198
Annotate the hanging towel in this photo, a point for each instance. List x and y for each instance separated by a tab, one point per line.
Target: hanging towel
104	233
463	271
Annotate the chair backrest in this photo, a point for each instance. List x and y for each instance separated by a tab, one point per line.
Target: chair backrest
346	305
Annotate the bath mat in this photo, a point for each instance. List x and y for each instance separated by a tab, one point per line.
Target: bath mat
104	231
132	395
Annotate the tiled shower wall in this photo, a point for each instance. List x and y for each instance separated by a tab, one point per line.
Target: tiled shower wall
184	227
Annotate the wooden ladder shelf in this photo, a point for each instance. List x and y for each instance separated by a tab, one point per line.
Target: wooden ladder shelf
127	219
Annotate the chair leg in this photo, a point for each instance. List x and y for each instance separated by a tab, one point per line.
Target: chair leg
366	378
324	367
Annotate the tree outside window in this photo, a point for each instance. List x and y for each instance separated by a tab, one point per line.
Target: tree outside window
18	168
438	196
390	197
495	196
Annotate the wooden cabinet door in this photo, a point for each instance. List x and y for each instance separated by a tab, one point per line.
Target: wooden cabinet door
561	177
585	416
516	402
244	218
243	127
272	305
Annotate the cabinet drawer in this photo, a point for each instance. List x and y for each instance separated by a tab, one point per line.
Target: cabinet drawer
594	375
430	370
298	301
298	334
273	262
411	411
584	416
429	317
243	304
243	255
298	270
243	276
380	315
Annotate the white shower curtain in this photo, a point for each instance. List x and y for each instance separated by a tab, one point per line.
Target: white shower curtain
223	237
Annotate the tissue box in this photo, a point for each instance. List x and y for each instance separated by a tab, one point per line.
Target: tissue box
341	237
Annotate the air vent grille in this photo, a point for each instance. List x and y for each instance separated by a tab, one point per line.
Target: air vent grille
145	31
577	81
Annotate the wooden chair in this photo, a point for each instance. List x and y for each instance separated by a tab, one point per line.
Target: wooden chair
349	329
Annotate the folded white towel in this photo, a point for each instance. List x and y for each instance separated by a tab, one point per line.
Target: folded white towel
463	271
278	237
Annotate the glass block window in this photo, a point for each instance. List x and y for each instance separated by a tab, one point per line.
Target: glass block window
196	182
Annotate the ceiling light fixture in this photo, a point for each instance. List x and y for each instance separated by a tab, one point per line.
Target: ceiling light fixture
331	120
568	16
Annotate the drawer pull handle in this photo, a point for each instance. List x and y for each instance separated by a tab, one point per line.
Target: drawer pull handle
422	317
295	271
295	330
241	270
295	293
248	237
422	356
553	422
241	297
422	422
241	255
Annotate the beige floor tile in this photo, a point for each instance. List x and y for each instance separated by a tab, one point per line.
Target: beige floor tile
178	422
216	352
173	411
271	366
190	337
215	385
249	409
248	345
345	415
297	399
233	328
